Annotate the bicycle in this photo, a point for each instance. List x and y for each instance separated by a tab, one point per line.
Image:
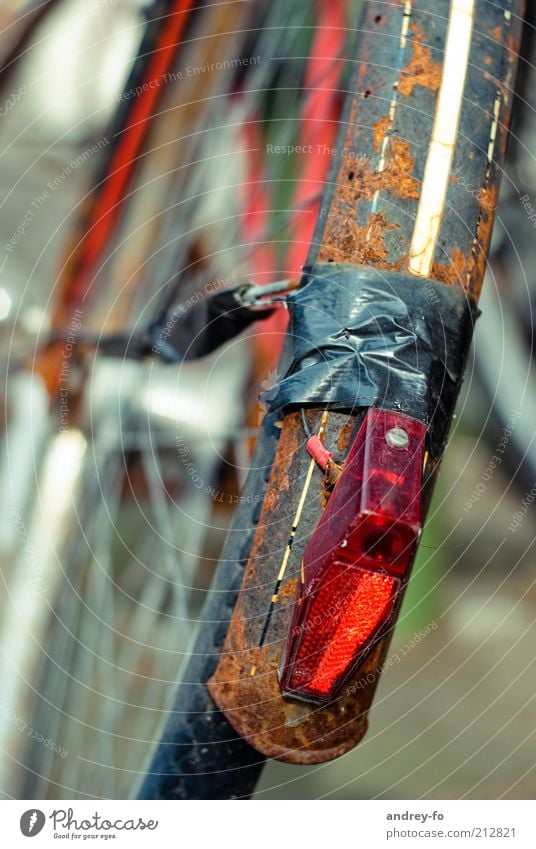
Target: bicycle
397	98
387	217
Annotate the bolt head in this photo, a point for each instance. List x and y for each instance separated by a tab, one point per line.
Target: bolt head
397	438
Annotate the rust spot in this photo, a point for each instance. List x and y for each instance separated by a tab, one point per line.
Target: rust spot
343	442
288	590
455	272
488	198
512	44
381	128
421	70
468	271
488	61
347	241
333	473
279	481
496	33
351	192
395	177
325	493
245	684
482	239
284	729
400	168
355	243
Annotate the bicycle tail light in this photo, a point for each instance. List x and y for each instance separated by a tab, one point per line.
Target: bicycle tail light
358	558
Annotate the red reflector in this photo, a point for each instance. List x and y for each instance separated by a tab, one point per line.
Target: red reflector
358	557
341	617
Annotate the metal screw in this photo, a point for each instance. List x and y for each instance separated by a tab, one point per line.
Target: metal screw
397	438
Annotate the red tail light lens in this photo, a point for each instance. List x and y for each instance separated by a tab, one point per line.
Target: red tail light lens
358	558
344	614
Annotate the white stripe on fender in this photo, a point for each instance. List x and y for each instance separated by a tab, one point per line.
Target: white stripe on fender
447	118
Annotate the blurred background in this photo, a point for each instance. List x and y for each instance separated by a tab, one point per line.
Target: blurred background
118	477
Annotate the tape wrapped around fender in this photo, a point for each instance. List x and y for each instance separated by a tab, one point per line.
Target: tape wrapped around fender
364	337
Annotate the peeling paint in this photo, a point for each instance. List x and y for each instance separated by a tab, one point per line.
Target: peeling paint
421	70
355	243
347	241
381	129
454	272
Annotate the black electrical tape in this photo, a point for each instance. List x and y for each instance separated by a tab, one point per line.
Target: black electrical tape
182	334
363	337
186	334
